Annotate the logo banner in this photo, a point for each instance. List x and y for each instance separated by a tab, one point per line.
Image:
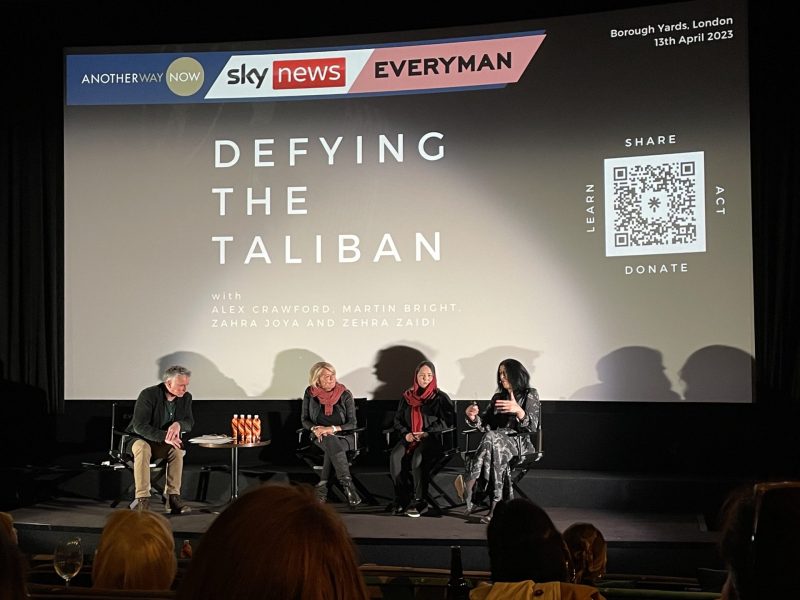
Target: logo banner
205	77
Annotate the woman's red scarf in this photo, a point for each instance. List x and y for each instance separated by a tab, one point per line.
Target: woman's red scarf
328	399
415	397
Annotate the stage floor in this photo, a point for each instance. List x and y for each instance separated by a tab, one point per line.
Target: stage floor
653	543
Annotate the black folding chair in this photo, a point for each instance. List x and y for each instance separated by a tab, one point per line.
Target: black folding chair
520	465
313	456
121	415
449	441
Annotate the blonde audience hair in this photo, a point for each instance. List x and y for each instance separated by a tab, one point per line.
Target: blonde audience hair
136	551
588	549
316	372
13	569
275	541
8	526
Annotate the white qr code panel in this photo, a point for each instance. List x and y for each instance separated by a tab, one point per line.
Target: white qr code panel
655	204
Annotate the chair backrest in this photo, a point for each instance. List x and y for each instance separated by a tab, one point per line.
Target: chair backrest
121	415
448	437
304	437
537	438
359	437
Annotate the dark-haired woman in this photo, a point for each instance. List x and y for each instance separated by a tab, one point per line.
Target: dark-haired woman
506	424
328	408
424	411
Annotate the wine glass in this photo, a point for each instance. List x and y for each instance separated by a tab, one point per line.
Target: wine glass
68	559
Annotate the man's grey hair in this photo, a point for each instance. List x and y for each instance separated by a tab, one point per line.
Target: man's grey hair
176	370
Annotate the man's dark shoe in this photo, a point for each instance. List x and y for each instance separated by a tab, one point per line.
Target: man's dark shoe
176	505
141	504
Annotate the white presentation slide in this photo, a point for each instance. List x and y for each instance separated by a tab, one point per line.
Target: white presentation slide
572	192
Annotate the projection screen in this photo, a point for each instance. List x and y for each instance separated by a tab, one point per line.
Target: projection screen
571	192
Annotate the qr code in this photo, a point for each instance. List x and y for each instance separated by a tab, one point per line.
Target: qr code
655	204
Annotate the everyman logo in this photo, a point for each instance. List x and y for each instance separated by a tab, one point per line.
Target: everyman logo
185	76
309	73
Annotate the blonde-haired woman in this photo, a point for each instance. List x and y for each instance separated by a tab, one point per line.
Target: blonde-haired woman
328	409
136	551
7	524
589	552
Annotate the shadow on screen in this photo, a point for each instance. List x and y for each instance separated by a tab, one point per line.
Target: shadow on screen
394	370
290	373
207	380
480	371
632	373
718	374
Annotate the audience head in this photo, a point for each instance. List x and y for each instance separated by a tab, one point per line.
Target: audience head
12	569
588	550
524	544
515	373
275	541
136	551
759	544
7	525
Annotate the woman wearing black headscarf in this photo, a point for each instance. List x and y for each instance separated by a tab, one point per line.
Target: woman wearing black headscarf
424	411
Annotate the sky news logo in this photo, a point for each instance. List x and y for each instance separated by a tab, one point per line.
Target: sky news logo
293	74
309	73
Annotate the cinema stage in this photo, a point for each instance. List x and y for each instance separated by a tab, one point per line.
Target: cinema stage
673	536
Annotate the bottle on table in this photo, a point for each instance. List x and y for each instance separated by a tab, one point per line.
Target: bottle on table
235	429
256	429
240	425
248	429
457	585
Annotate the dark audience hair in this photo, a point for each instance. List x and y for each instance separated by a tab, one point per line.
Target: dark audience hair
759	542
524	544
275	541
13	569
588	551
517	376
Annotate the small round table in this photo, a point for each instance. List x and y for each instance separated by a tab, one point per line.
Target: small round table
234	448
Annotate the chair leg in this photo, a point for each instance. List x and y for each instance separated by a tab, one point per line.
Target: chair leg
124	496
155	476
515	484
433	506
364	492
441	493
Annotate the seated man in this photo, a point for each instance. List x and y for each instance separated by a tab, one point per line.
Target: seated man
162	412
